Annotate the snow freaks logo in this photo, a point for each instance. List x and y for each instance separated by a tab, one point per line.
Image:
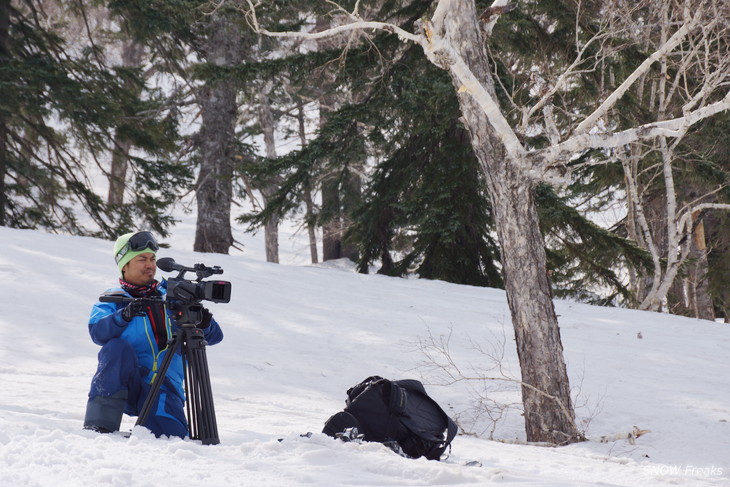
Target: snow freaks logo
685	470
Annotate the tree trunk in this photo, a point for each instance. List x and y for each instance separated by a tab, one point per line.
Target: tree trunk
691	295
330	228
271	225
216	139
131	57
702	296
548	408
352	197
334	208
338	208
307	196
3	169
4	55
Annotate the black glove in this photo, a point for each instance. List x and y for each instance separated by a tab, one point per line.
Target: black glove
134	308
206	317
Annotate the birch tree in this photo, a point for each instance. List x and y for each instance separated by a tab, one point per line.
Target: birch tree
681	82
454	39
266	121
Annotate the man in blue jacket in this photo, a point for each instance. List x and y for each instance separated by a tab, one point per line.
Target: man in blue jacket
133	339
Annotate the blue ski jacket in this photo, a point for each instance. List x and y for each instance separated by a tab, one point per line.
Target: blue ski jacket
106	323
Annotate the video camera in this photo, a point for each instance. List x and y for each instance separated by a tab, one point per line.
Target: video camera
184	296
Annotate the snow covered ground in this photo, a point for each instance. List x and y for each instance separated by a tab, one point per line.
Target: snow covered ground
297	337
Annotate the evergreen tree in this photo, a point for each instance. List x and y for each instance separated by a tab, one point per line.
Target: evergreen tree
195	46
382	126
425	209
585	260
425	201
61	107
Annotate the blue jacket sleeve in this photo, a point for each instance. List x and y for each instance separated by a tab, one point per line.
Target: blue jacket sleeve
213	333
106	322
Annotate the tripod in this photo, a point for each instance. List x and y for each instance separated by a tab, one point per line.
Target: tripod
200	410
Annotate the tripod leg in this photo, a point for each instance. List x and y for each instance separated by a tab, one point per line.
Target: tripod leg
189	400
199	391
159	379
209	427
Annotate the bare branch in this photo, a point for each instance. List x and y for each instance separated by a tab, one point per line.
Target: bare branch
560	83
685	219
489	26
439	14
357	25
675	127
550	126
673	42
439	357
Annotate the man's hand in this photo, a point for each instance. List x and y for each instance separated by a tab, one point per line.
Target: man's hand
135	308
205	320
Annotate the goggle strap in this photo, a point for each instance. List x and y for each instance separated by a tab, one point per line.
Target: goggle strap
122	252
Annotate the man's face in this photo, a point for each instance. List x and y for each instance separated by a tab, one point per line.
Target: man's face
140	270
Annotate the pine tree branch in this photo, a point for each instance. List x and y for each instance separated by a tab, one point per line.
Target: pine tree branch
437	50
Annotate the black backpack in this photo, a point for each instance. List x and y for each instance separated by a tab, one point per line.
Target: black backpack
398	414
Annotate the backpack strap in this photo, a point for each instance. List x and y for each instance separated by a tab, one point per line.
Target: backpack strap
412	385
451	430
395	397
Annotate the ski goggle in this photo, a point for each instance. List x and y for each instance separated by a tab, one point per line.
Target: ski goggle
138	241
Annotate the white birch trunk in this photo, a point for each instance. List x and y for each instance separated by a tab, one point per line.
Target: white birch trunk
266	120
307	196
546	391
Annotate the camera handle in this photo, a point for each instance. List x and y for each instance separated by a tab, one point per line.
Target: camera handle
168	264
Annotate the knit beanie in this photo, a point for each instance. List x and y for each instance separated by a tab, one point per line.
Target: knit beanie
125	256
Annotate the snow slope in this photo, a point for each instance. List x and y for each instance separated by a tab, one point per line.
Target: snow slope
297	337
